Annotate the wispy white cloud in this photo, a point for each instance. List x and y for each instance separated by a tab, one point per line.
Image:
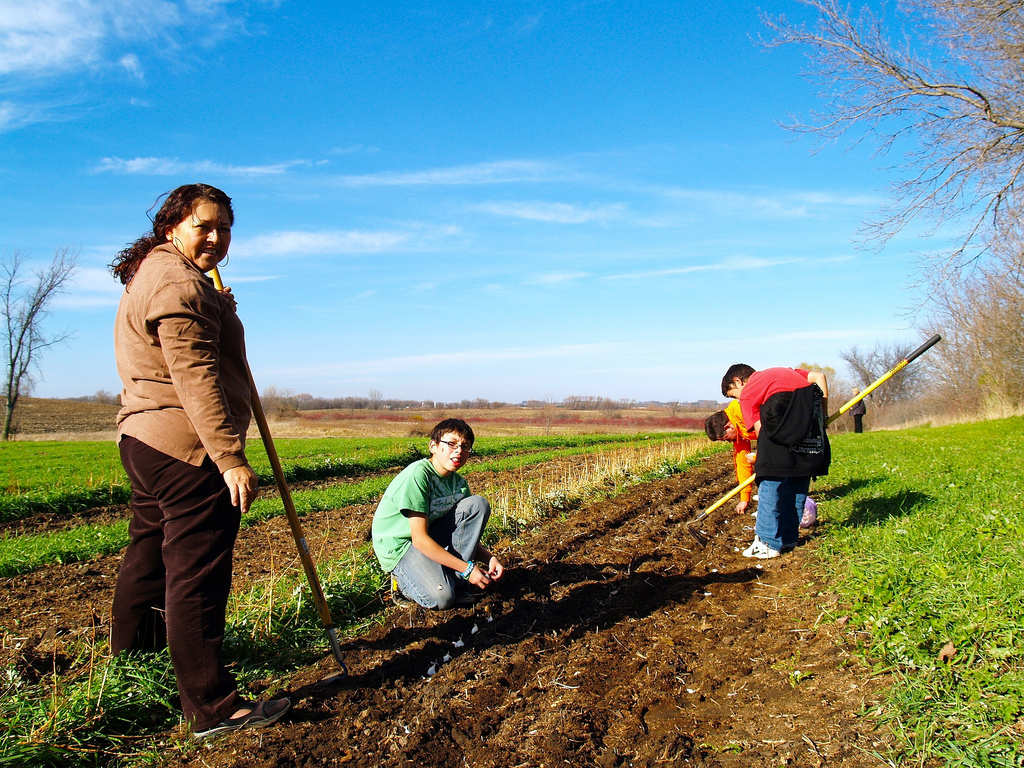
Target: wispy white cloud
130	63
36	38
90	287
13	115
774	205
343	241
230	280
556	277
499	172
41	40
45	37
558	213
527	24
354	149
164	166
738	263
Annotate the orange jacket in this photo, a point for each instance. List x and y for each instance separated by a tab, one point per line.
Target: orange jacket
740	448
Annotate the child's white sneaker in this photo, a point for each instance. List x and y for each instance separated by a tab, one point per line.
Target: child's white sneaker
760	550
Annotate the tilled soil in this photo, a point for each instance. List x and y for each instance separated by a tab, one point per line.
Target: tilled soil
64	419
613	640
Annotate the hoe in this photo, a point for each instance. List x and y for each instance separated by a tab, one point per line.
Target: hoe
293	517
702	538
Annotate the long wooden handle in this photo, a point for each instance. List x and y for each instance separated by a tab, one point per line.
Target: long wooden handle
289	506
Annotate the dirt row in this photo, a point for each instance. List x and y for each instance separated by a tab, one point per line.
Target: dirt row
613	641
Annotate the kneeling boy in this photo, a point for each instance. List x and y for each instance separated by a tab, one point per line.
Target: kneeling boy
427	528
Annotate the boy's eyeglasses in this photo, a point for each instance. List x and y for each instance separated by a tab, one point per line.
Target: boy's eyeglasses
453	447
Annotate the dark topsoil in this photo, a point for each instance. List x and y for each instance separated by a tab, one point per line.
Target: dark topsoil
612	641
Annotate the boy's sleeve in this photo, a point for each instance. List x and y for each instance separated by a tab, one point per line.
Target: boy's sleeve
412	494
735	415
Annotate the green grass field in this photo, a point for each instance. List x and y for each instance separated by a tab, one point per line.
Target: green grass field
68	477
925	544
103	710
302	459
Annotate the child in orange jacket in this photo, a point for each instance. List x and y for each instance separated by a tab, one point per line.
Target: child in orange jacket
728	425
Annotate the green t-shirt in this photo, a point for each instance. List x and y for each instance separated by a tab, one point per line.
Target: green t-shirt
418	488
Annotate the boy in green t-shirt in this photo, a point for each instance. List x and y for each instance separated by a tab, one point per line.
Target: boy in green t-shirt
427	528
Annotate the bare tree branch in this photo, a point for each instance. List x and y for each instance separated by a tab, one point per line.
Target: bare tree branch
867	366
24	305
945	77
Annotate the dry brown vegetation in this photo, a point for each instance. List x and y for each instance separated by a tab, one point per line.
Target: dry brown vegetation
50	419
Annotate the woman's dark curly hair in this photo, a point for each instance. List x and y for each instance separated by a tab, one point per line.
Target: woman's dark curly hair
177	206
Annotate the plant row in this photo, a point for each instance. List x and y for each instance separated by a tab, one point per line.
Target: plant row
21	554
70	477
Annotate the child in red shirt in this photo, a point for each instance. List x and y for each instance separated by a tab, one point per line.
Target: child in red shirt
788	409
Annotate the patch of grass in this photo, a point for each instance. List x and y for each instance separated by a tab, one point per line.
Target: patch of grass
64	477
92	714
924	544
21	554
275	624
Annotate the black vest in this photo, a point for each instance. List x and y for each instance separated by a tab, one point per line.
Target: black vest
793	441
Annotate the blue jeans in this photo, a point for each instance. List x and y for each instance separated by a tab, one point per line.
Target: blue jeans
431	584
780	504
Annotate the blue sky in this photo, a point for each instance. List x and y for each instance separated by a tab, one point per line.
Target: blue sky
507	200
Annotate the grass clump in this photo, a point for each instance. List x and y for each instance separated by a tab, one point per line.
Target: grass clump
925	545
519	504
91	714
21	554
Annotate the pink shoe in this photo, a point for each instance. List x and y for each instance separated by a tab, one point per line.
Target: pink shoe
810	518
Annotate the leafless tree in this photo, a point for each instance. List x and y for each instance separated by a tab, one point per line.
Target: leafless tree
278	403
376	397
106	397
25	301
941	81
980	364
868	365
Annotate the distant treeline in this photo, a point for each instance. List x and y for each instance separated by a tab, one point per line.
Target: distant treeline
280	401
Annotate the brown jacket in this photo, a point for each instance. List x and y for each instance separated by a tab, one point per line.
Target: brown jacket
180	351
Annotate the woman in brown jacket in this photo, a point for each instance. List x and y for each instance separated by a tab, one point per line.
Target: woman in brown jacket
180	351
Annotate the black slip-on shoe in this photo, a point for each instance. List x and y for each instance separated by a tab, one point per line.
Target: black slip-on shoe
264	713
